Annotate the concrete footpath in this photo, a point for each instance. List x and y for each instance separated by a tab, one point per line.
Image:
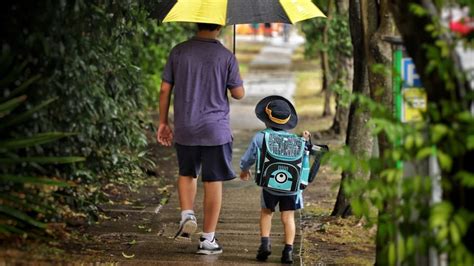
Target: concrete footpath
148	233
238	228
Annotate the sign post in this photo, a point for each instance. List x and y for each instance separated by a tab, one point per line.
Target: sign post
410	102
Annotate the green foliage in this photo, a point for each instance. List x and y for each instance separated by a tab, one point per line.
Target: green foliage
157	41
408	218
337	45
101	62
91	68
23	198
339	40
407	222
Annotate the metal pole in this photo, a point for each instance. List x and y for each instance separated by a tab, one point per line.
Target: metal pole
233	40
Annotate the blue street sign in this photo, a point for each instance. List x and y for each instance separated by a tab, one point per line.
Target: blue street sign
409	75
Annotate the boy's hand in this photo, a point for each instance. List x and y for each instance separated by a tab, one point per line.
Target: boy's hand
306	135
164	135
245	175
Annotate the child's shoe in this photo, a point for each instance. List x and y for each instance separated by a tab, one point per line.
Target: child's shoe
263	252
287	255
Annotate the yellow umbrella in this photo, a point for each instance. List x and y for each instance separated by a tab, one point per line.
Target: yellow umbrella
227	12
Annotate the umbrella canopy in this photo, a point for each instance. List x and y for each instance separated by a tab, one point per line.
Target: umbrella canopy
228	12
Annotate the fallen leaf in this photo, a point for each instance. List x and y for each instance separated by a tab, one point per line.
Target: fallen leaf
128	256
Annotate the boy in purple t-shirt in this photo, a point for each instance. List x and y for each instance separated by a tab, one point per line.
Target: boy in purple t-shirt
200	72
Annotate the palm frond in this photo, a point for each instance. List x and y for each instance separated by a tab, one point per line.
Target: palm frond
20	89
43	160
33	180
38	139
8	106
24	116
21	216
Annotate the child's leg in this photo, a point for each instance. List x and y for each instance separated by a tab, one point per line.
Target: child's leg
265	227
288	220
265	222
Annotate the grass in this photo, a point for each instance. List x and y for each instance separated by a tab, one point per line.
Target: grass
309	100
300	63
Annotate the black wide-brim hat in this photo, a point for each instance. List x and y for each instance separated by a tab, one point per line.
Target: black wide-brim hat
277	112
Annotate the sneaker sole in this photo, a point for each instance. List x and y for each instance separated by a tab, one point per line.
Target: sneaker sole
181	239
208	252
189	227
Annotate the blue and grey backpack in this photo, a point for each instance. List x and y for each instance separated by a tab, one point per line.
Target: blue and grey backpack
283	161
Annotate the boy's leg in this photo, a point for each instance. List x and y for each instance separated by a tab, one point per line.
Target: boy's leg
187	187
268	202
189	163
288	205
216	168
212	205
288	220
186	192
265	222
265	247
287	208
189	166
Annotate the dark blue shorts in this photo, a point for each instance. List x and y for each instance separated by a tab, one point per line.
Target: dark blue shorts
285	203
212	163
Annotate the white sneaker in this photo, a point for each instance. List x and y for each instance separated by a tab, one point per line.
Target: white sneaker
207	247
186	229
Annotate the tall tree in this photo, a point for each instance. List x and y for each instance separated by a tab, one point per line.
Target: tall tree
357	132
325	54
344	74
380	54
436	62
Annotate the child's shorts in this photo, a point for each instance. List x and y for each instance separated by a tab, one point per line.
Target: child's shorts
213	163
285	202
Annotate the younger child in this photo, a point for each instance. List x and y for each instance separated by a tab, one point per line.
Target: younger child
278	114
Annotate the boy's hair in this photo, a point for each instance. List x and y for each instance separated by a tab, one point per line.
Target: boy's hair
208	26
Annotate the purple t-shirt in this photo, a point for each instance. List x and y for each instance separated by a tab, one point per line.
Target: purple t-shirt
201	71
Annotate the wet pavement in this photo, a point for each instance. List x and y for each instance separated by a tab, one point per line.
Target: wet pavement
151	228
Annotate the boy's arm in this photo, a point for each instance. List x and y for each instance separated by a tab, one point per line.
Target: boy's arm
248	159
234	80
237	92
165	133
250	156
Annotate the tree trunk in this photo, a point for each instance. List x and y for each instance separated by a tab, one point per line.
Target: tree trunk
325	61
325	83
345	75
439	92
380	53
342	207
357	132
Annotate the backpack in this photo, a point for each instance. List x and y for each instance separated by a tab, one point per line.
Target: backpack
283	162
